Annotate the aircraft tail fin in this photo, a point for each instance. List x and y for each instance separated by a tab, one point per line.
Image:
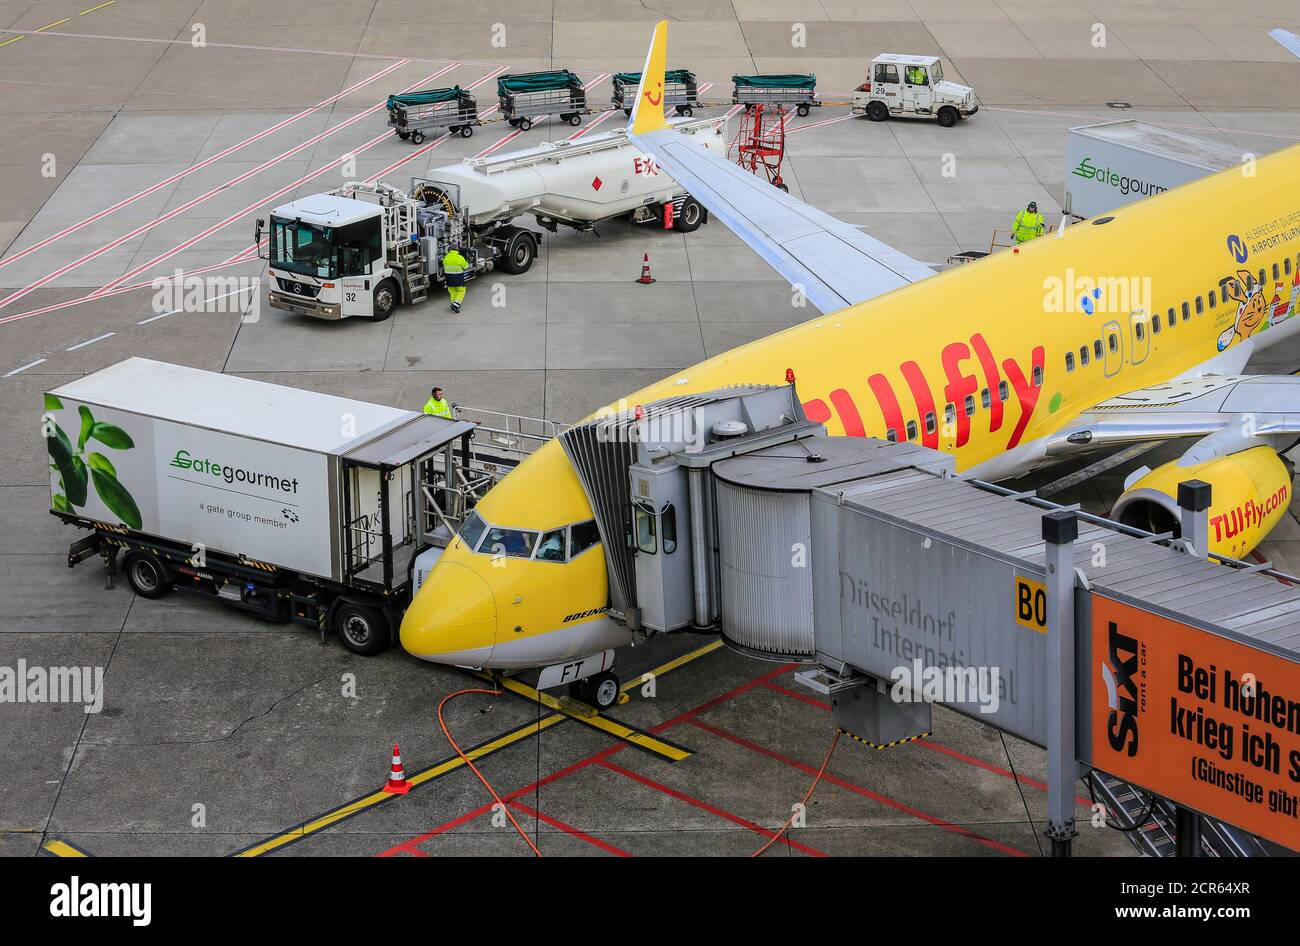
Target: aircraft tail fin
648	113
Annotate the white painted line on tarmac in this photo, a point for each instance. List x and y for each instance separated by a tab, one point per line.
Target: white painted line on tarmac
30	364
224	295
91	341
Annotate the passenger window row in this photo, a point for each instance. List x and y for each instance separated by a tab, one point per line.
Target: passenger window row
968	408
1202	304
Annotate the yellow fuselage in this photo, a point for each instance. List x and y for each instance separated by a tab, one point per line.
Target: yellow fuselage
972	361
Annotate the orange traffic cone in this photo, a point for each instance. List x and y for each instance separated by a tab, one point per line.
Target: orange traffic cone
397	783
646	279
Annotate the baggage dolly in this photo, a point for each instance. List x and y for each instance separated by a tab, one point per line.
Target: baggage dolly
525	96
797	91
681	91
415	115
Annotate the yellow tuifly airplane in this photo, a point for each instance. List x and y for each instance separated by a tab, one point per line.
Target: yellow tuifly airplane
1131	327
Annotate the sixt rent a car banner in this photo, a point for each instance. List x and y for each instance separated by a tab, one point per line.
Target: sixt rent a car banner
1207	721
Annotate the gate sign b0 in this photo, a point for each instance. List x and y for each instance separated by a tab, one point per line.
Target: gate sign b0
1031	604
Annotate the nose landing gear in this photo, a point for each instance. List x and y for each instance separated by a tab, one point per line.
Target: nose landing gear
600	690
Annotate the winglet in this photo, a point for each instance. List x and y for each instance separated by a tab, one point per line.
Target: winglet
648	113
1290	41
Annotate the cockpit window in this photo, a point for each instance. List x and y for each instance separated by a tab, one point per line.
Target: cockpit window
510	542
471	530
582	536
551	548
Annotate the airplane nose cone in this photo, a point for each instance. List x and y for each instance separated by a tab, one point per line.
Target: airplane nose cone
453	619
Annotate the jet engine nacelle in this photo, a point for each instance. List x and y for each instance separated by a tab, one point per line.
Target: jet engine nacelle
1251	490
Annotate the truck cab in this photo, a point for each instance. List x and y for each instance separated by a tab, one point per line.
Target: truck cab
327	258
912	86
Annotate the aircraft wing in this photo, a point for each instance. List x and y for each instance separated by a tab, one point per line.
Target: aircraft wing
1246	408
1290	41
833	263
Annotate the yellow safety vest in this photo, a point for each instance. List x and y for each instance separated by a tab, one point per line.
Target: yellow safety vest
454	267
1027	226
438	408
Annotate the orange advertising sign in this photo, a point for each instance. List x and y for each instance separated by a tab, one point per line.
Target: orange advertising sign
1206	721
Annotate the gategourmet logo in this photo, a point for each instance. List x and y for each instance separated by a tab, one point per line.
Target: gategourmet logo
1127	185
233	474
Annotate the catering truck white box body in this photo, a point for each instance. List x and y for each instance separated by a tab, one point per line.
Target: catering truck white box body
1112	164
367	247
284	502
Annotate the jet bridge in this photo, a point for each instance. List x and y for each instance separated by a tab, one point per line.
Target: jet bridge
1169	682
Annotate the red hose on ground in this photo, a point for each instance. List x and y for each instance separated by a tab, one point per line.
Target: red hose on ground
473	768
811	788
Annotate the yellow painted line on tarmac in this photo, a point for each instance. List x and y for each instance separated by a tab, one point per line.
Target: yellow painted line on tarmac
636	737
100	7
8	41
50	26
375	798
490	747
62	849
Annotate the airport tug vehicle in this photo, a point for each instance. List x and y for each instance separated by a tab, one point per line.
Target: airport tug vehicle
367	247
914	87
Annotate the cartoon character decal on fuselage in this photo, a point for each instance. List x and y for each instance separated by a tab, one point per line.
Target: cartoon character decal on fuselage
1255	311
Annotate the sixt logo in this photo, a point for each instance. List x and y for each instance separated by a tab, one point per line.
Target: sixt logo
1118	673
1237	247
583	614
961	384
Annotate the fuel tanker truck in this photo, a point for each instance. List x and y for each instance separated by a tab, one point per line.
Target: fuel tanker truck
368	247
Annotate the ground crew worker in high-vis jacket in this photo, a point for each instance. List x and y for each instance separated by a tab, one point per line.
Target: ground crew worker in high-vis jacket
454	269
1029	224
437	405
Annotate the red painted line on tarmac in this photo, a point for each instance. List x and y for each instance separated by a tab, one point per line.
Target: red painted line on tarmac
204	234
705	806
860	790
933	746
146	227
583	763
180	175
252	250
571	830
578	134
825	121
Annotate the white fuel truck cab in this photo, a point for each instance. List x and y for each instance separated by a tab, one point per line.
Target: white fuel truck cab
365	248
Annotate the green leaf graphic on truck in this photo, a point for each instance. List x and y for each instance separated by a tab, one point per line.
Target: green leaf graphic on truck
79	470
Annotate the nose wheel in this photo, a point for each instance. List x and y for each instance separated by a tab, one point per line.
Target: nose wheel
600	690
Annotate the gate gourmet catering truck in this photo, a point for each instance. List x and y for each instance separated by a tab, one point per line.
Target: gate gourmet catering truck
287	503
365	248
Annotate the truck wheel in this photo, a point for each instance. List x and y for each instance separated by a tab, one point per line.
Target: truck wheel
362	629
403	135
146	574
692	215
627	112
685	111
512	122
802	110
525	124
574	119
877	111
948	116
385	300
467	131
519	253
